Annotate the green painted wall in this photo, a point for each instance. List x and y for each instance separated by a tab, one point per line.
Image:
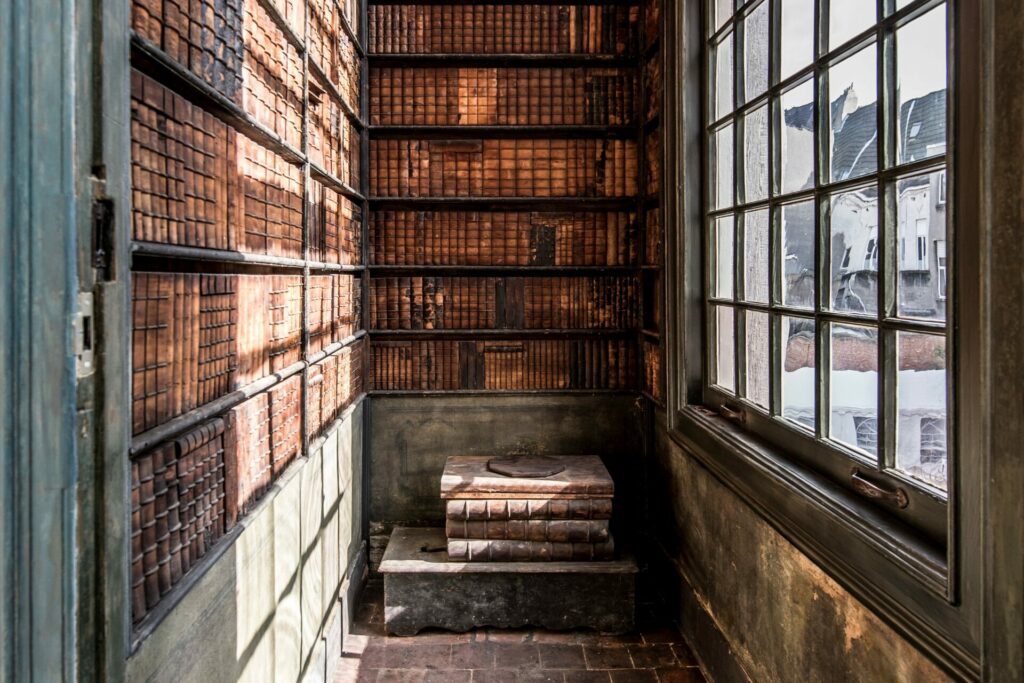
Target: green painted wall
781	616
274	605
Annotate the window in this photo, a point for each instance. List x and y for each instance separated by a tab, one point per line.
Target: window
857	354
807	199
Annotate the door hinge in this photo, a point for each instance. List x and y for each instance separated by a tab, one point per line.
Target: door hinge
85	336
102	236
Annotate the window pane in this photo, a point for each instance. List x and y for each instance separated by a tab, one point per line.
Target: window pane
853	226
847	18
921	86
755	155
798	370
755	256
921	407
853	387
757	354
797	254
723	10
725	348
797	39
723	164
724	263
796	138
723	78
755	52
921	246
852	94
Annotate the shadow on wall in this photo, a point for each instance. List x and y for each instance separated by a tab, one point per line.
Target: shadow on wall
274	604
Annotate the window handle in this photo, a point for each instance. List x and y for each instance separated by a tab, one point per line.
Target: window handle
730	414
869	489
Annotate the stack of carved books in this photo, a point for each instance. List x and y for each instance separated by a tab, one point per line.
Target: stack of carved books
527	508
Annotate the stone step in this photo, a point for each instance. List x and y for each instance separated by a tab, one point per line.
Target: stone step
424	589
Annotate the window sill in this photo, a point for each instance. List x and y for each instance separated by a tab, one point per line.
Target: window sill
882	562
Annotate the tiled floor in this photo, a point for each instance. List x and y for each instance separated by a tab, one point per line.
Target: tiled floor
653	653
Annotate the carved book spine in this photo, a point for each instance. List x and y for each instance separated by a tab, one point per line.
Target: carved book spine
551	530
528	551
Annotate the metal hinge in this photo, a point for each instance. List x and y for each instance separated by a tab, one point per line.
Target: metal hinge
85	337
102	235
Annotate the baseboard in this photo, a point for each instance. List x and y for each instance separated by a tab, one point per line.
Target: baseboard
707	641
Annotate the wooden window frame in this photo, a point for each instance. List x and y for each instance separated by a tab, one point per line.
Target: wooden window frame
929	592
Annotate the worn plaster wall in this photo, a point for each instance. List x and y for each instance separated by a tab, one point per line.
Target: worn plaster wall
274	605
747	595
410	437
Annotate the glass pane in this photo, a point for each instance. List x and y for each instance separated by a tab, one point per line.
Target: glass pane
757	355
724	167
921	246
723	78
847	18
755	52
852	95
853	387
796	138
921	87
724	265
723	10
853	239
797	347
797	254
755	155
755	256
797	38
725	348
921	407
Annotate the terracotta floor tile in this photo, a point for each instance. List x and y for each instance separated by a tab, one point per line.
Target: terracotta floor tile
561	656
411	655
540	677
473	655
684	654
401	676
633	676
448	676
603	657
690	674
665	634
652	656
517	656
587	677
494	676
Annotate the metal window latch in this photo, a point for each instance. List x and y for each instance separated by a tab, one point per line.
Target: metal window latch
870	489
731	414
102	236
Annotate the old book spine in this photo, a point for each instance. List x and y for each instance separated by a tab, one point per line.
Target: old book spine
528	509
548	530
528	551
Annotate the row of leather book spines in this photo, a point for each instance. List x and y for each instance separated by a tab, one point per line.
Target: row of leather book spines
178	511
197	182
551	530
503	168
654	377
462	550
653	237
334	141
497	510
500	29
652	22
542	303
652	165
502	96
237	49
653	87
332	50
334	311
519	238
333	385
589	364
197	337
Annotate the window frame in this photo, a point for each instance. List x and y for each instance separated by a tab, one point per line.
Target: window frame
928	593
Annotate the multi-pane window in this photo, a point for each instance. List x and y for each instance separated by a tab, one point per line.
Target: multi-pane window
827	228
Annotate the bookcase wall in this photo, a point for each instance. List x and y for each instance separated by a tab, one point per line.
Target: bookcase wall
507	194
248	278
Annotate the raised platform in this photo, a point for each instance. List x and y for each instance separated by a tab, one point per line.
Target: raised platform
424	589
